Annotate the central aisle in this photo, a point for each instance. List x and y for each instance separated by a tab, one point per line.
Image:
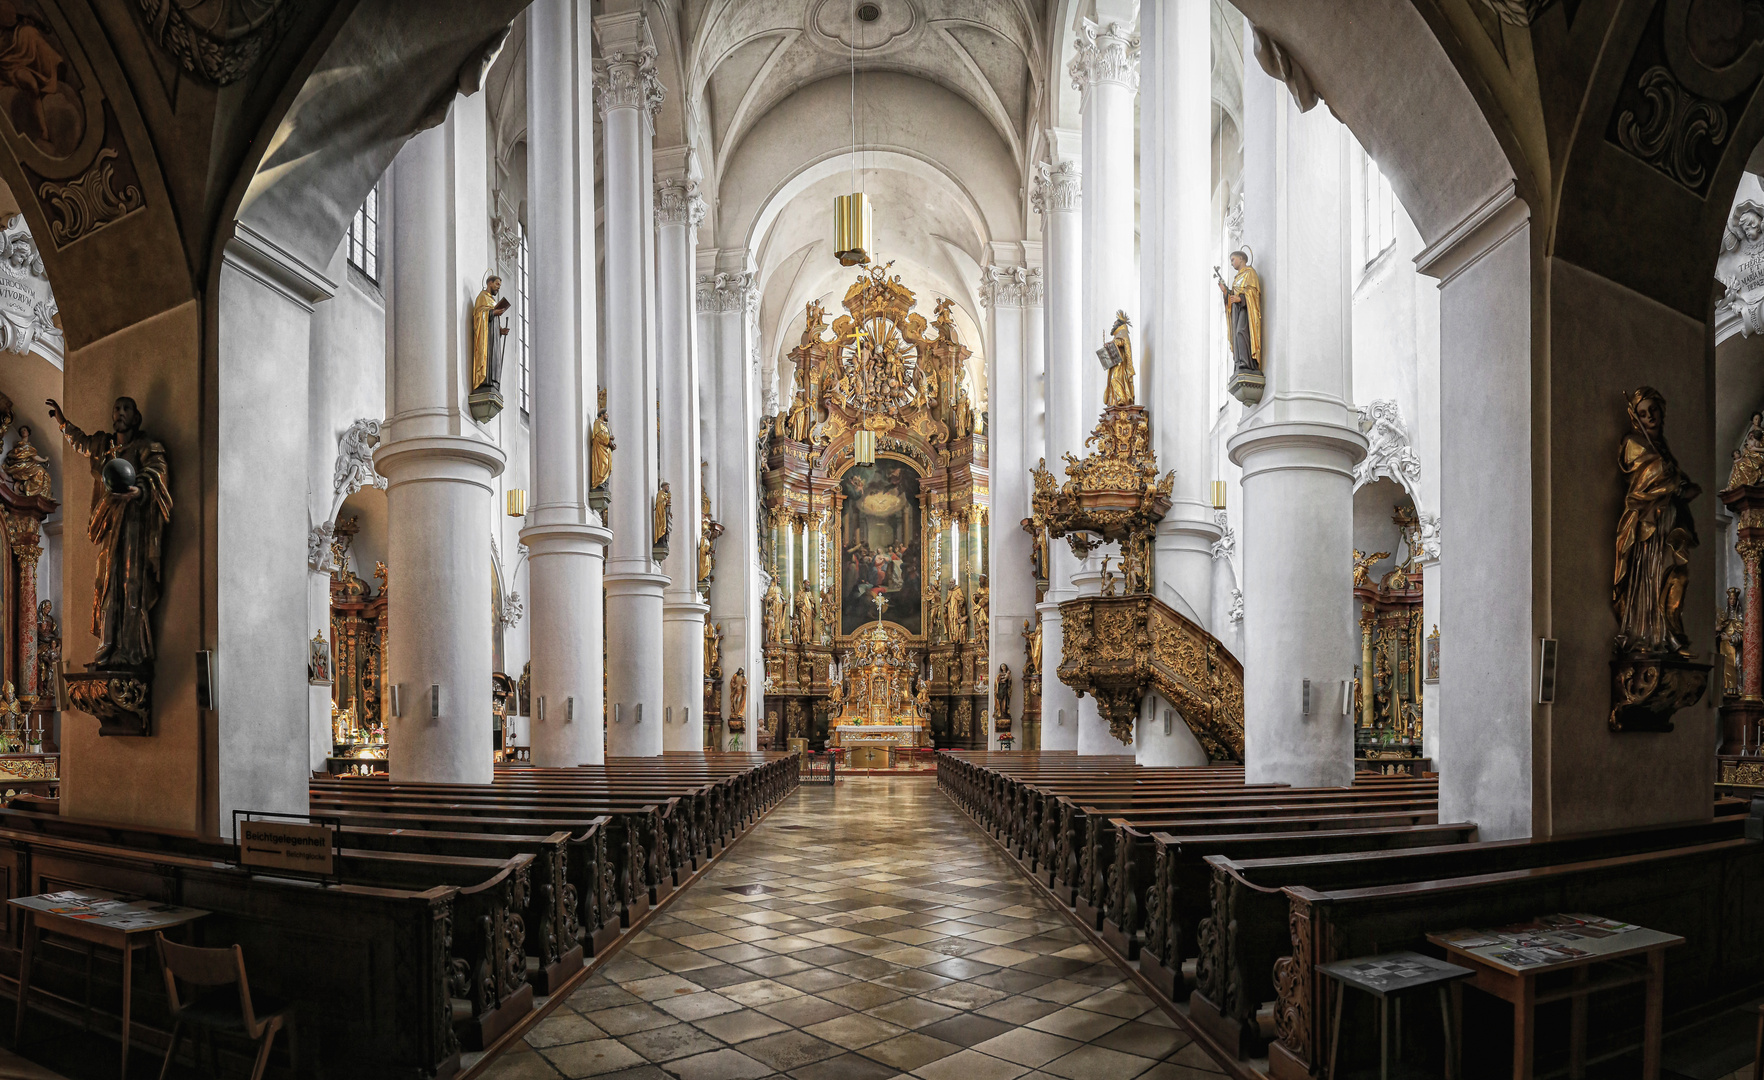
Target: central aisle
866	931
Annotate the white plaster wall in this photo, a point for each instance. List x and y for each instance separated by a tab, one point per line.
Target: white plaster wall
261	522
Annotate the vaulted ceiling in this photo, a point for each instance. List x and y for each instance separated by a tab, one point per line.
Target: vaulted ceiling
745	56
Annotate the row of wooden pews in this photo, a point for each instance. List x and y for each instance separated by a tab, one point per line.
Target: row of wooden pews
452	906
1231	896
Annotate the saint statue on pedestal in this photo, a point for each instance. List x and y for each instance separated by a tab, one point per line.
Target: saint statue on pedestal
1117	356
1001	695
805	614
1654	536
24	465
131	507
664	515
738	694
1730	632
1243	311
600	449
486	335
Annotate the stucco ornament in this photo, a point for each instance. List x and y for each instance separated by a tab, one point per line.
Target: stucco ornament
353	471
1226	546
27	305
1237	606
1740	267
1388	453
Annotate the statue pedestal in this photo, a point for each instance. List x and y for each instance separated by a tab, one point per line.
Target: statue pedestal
1247	386
485	403
1647	690
120	697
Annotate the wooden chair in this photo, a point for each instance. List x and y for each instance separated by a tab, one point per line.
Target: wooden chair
213	1009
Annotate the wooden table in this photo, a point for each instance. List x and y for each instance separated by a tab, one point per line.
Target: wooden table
97	918
1390	977
1517	984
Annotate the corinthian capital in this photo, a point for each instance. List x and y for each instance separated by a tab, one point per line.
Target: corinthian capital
1056	188
1105	55
728	293
677	203
1010	287
627	80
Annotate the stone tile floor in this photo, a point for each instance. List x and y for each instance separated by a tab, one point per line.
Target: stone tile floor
864	931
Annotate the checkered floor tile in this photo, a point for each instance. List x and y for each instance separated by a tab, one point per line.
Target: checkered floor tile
864	931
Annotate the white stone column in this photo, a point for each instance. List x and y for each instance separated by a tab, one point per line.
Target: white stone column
1105	67
1012	295
678	212
628	93
439	465
566	543
1298	447
1179	317
1055	195
1179	304
725	300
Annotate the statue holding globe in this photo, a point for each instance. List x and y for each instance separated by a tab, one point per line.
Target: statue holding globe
131	506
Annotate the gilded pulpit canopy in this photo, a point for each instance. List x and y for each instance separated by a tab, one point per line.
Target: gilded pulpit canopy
1654	536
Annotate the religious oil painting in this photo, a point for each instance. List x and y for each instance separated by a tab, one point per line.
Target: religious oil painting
881	550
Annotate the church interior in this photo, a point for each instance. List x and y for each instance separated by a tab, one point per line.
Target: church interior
940	539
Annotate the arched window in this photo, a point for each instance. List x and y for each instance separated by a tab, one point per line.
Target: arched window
364	238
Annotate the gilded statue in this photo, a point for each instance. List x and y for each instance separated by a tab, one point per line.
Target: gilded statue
1748	460
776	630
801	418
1117	356
486	335
24	465
707	534
1654	536
738	694
1730	629
955	613
1037	548
805	614
1001	693
713	648
48	649
1243	313
131	507
1363	567
982	605
828	613
664	514
600	449
1029	666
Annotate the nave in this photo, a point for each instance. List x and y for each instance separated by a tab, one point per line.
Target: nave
862	931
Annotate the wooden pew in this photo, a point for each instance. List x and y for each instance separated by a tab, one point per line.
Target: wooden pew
1706	893
1247	933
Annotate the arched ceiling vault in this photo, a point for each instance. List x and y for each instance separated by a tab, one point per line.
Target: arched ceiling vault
747	56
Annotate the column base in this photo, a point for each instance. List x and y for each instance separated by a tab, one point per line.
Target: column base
567	631
634	664
683	674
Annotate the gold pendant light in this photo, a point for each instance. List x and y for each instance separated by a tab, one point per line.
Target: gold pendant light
851	229
852	236
863	446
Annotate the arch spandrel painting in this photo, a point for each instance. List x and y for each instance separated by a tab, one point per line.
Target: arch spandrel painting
883	553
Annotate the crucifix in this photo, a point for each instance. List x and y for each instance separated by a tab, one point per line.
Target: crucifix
881	602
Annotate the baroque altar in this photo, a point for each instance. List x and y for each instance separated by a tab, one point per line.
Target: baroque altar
875	486
880	702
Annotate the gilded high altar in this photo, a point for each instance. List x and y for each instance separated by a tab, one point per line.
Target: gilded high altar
874	485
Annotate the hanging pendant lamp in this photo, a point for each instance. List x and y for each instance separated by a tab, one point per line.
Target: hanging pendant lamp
851	229
863	446
852	236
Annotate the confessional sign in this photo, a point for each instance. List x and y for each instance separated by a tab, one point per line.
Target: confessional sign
287	845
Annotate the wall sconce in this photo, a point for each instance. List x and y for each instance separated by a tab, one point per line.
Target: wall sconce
517	502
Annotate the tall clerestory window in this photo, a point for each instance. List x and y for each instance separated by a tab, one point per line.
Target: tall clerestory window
1380	211
364	237
522	302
